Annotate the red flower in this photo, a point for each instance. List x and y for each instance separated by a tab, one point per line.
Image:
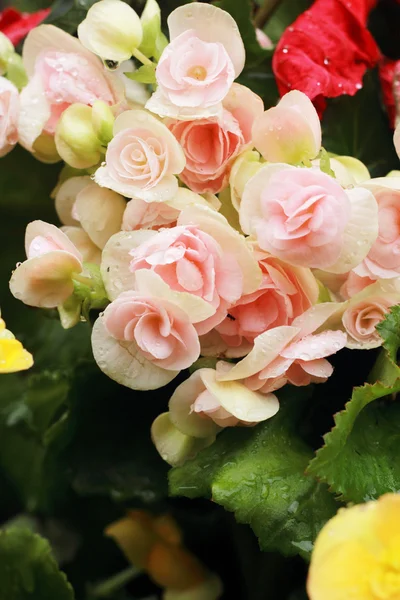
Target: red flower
390	85
327	50
15	25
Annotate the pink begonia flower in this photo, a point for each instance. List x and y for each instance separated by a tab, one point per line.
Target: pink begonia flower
45	279
289	354
211	144
304	217
146	336
9	108
61	72
202	405
290	132
285	293
206	259
365	310
383	259
162	330
142	159
199	65
156	215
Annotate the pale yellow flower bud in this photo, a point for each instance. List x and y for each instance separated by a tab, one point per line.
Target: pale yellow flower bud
76	140
103	121
112	30
6	51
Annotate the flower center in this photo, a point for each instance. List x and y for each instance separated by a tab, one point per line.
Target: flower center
197	72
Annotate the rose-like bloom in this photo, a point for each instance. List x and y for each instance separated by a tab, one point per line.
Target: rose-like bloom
304	217
142	158
190	260
198	67
365	310
9	107
45	279
356	553
354	284
61	72
13	356
161	330
383	260
300	62
289	132
211	144
15	24
285	293
290	354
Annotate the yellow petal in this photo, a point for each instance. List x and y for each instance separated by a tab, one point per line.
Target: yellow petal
13	356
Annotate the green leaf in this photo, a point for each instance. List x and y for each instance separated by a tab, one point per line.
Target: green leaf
258	473
28	570
357	126
366	437
154	41
145	74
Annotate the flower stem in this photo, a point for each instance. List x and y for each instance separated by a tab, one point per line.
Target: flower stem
106	588
264	12
143	59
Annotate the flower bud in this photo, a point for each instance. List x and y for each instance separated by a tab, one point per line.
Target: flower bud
154	41
45	149
112	30
75	138
16	71
290	132
6	51
103	121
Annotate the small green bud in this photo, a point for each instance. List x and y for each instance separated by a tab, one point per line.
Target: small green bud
75	138
6	51
16	71
103	121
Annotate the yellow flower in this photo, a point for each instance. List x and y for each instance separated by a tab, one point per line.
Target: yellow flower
357	554
13	356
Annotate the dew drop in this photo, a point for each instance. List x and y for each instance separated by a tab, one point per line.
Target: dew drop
358	86
285	50
326	61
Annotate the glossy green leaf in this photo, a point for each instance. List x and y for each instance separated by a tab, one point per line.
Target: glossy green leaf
258	473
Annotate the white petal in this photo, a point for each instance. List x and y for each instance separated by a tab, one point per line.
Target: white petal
238	400
211	24
180	409
185	197
43	229
149	283
66	196
116	259
33	114
267	347
100	212
361	231
90	252
124	362
51	37
160	105
174	446
316	316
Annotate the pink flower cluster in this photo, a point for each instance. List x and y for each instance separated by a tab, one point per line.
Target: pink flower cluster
291	263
